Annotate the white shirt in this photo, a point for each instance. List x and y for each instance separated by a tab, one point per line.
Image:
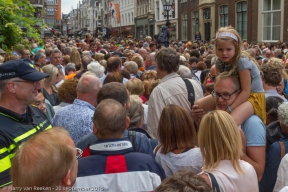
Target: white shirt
282	175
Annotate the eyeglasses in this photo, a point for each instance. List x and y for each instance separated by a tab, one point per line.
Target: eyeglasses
26	81
224	96
79	153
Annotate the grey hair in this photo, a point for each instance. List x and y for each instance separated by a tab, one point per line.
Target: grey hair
184	72
276	51
283	113
68	50
70	67
96	68
131	66
39	56
136	110
105	46
56	51
3	84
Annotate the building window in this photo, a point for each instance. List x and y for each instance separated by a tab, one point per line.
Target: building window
206	13
242	19
50	11
223	15
50	21
195	23
271	20
149	5
50	2
184	26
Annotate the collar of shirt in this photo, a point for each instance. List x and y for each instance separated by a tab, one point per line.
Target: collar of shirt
83	103
169	76
111	147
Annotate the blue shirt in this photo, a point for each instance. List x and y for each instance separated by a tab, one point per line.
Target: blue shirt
273	159
76	118
153	67
255	132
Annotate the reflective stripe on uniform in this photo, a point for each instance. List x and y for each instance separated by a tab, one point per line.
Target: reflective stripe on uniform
5	163
28	133
10	148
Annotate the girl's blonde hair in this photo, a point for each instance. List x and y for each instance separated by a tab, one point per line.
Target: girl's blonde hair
219	139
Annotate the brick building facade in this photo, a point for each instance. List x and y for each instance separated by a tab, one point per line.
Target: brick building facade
255	20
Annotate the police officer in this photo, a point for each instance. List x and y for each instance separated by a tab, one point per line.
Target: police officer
19	85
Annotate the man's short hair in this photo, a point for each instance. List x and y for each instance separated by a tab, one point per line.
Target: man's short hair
193	60
167	60
195	53
106	46
110	118
168	23
114	90
201	66
227	75
55	51
38	56
271	71
86	60
113	63
92	44
68	50
151	44
44	160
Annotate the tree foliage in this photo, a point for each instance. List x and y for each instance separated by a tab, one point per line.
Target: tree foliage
16	15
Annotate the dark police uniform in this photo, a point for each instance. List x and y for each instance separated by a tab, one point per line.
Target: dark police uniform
15	129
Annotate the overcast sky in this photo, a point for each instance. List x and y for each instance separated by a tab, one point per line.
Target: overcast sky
66	5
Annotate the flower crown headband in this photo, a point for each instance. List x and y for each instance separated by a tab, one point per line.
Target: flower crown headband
227	34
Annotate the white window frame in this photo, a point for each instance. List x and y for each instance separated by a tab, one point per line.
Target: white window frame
272	11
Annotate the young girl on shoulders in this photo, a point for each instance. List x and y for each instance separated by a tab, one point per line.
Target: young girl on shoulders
251	98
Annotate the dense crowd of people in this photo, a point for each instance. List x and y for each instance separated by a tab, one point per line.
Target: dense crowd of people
156	115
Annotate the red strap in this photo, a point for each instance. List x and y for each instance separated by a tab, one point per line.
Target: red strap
115	164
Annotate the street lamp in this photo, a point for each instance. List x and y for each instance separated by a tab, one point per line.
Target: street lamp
167	5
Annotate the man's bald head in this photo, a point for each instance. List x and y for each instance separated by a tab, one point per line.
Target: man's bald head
110	119
88	83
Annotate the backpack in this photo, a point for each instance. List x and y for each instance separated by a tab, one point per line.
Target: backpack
161	36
